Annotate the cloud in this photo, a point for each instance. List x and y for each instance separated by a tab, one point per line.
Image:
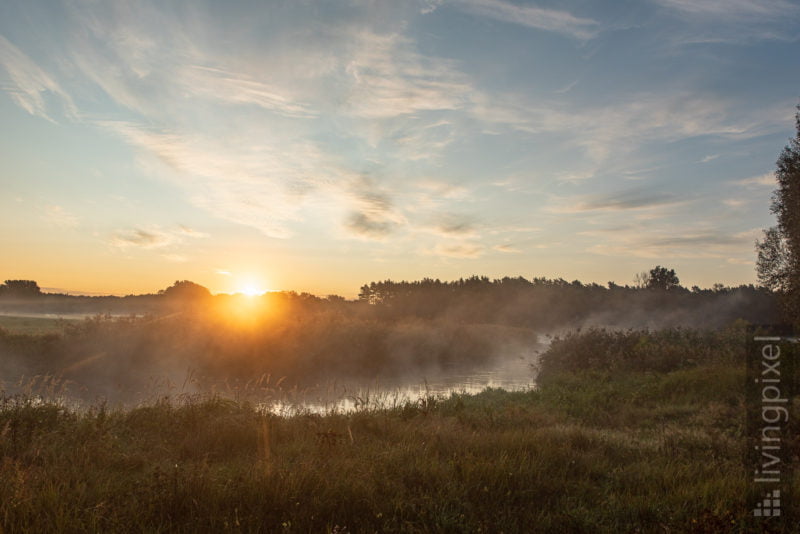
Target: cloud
369	225
761	180
459	250
415	140
137	237
632	199
514	229
254	182
507	249
733	9
175	258
733	21
237	88
452	224
614	131
551	20
154	238
29	83
60	217
574	177
704	240
734	202
710	157
515	183
432	196
274	128
374	216
441	189
429	6
664	244
566	89
372	90
387	78
189	232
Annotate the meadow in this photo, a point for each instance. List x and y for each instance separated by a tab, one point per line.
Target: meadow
628	431
26	324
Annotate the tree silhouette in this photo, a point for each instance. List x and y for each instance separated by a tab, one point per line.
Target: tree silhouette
641	279
778	263
185	290
662	278
773	265
20	288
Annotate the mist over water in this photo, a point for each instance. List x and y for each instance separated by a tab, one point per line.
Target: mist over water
289	349
128	360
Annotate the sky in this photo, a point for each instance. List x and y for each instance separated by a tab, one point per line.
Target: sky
317	146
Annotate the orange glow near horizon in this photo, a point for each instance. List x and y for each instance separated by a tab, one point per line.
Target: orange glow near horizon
247	309
249	286
251	291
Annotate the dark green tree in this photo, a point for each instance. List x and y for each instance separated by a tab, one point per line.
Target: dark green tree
778	262
773	263
662	278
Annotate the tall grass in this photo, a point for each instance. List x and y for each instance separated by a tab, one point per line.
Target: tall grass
614	445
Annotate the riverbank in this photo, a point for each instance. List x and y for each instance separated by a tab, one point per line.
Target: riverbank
593	450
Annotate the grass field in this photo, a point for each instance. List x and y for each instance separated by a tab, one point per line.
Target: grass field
612	447
32	325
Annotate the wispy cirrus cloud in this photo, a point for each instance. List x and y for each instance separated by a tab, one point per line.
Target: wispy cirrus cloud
60	217
388	78
466	250
507	249
245	169
154	238
734	21
632	199
662	243
272	119
734	9
28	84
140	238
761	180
617	130
530	16
238	88
255	183
184	230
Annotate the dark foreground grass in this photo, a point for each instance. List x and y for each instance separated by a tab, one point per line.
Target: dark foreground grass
592	450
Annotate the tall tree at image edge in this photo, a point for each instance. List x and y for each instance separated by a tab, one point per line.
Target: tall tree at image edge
778	261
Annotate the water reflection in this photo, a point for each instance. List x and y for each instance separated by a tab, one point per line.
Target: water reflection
513	374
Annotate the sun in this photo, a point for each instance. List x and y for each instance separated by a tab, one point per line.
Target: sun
247	306
249	286
251	290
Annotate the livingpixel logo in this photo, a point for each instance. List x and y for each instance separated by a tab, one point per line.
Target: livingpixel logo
770	506
770	376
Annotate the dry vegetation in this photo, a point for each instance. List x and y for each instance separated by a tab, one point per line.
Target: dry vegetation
629	432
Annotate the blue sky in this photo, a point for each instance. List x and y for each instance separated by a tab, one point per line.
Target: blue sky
320	145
